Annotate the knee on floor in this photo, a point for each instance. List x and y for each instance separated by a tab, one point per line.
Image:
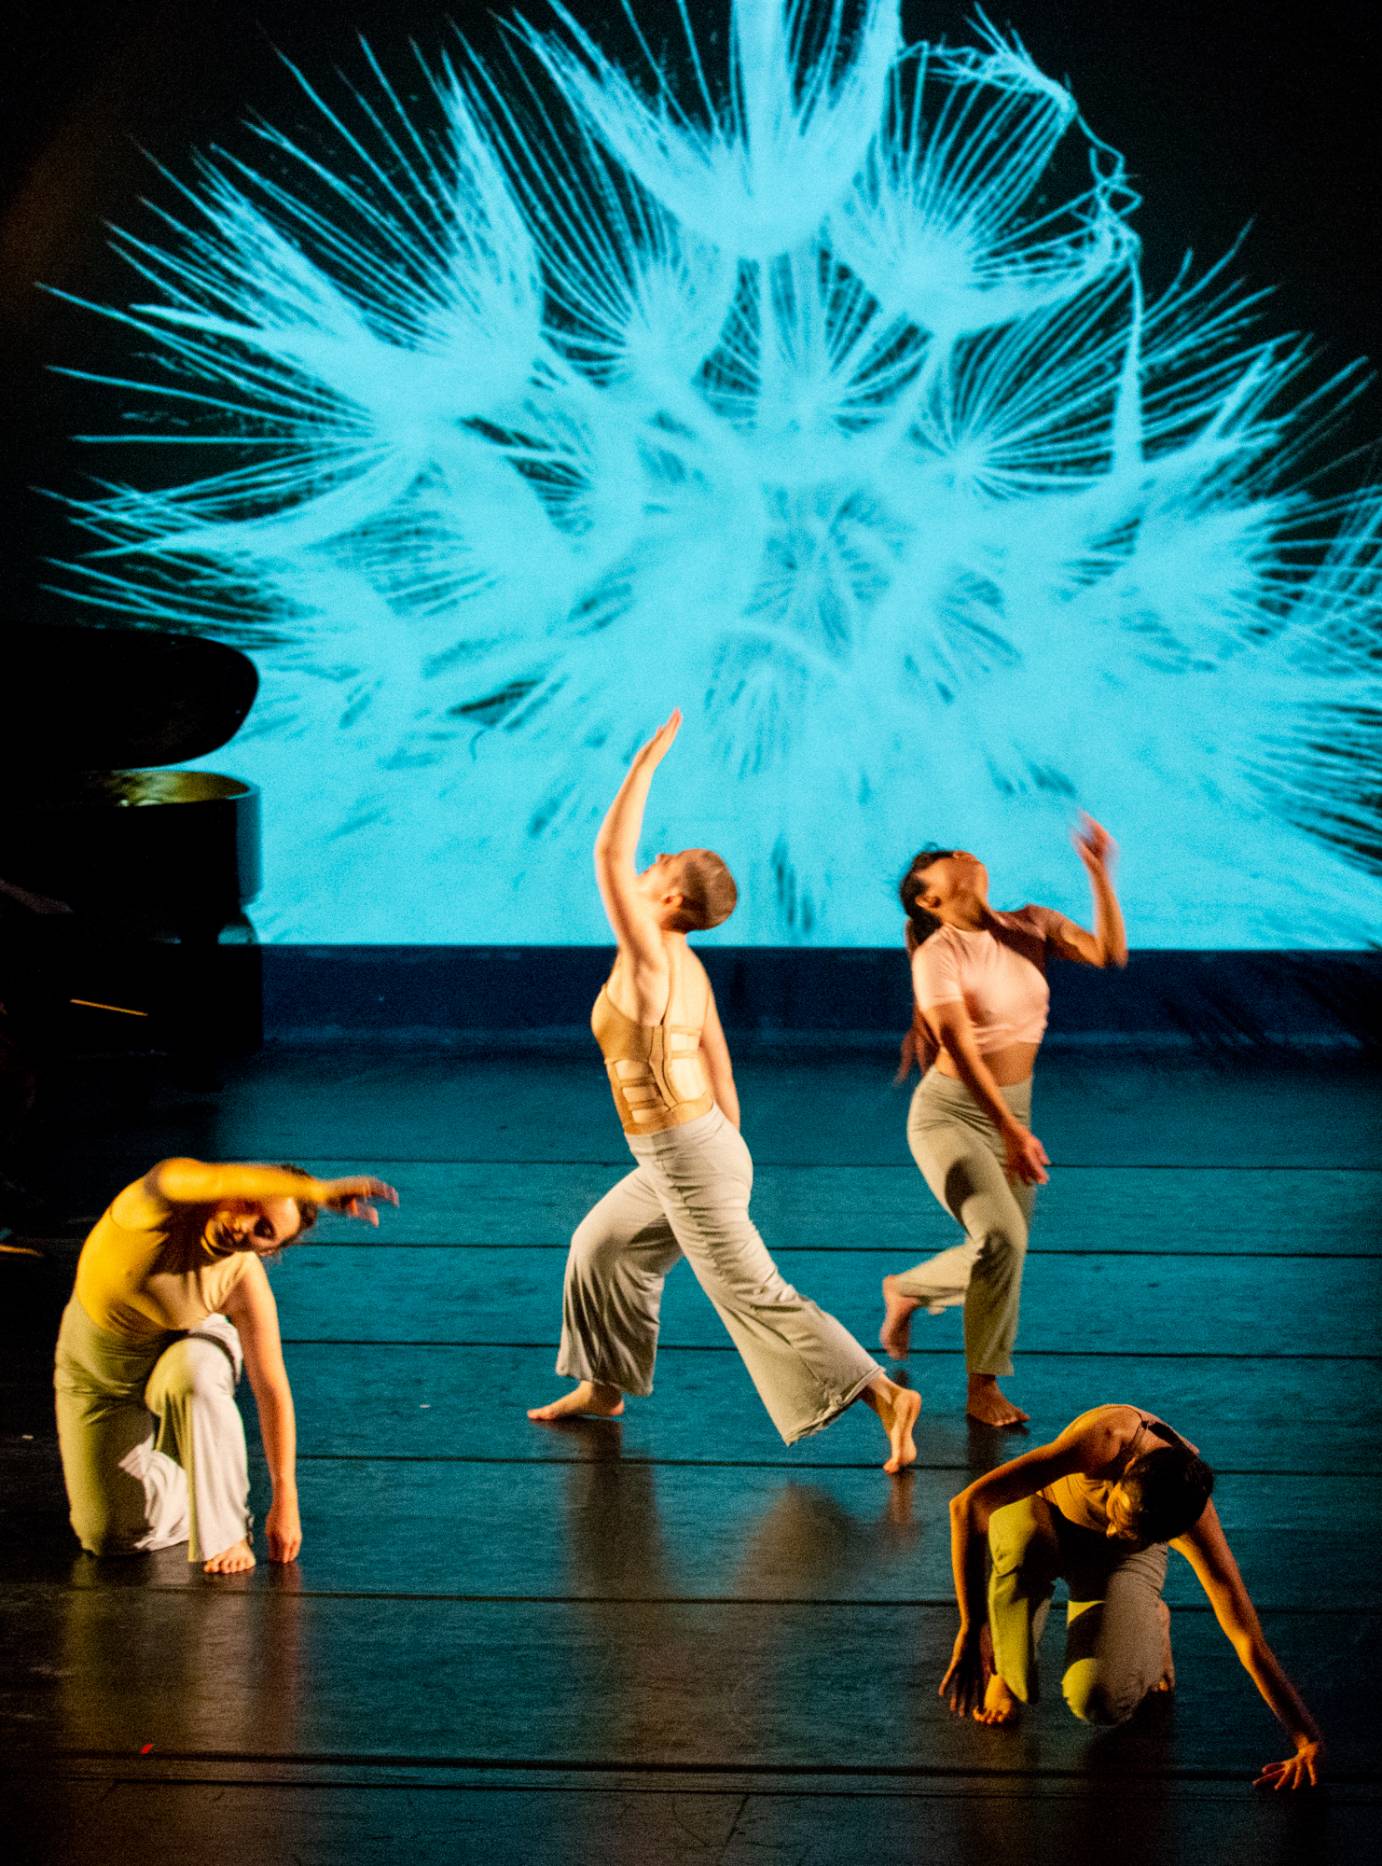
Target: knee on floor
101	1534
1093	1698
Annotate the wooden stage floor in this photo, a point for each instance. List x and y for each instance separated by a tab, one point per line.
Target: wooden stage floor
669	1639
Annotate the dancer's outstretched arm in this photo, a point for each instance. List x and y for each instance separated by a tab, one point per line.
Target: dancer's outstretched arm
1108	943
1206	1548
208	1182
1090	1449
631	915
1096	849
252	1308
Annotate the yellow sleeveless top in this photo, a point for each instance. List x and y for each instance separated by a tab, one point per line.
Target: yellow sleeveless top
656	1071
147	1270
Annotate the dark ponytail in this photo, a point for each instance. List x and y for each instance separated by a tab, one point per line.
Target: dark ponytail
919	1046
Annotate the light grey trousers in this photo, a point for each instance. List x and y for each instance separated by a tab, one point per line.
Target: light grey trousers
689	1197
152	1442
1115	1639
960	1153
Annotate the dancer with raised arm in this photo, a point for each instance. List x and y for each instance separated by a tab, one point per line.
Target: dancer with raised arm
669	1068
1100	1505
980	1005
171	1299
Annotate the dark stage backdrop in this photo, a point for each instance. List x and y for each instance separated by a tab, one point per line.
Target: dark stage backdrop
869	408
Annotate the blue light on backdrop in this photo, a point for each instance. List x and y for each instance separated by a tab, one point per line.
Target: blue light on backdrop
820	395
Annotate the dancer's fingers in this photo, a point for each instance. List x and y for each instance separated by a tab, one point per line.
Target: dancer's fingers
341	1192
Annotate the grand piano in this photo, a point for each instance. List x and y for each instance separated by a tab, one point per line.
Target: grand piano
156	865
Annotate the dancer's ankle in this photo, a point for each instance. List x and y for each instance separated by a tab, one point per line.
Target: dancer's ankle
988	1404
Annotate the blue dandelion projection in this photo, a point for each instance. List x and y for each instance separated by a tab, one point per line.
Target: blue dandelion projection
815	388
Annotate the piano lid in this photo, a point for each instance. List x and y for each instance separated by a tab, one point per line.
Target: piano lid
79	698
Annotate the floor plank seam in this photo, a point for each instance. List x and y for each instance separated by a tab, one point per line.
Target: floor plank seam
862	1250
901	1167
728	1347
762	1164
796	1466
584	1766
853	1603
1004	1788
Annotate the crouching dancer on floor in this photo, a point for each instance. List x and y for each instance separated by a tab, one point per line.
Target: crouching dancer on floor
171	1298
1099	1506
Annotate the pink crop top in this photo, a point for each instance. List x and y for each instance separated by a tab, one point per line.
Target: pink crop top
1000	981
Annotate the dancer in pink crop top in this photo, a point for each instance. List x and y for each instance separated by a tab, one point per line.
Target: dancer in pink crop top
997	972
980	1007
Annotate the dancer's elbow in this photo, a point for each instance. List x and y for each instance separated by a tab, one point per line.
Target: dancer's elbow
969	1513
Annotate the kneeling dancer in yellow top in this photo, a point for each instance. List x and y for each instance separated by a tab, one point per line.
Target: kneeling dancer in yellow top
171	1299
1099	1506
669	1067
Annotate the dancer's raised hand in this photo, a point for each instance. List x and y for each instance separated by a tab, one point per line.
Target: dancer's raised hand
657	747
1303	1770
354	1197
1093	844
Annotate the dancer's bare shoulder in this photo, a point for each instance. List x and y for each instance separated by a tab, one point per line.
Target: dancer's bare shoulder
1104	1434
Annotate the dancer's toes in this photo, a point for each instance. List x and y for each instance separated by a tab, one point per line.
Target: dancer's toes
999	1705
990	1407
896	1332
590	1397
899	1421
231	1561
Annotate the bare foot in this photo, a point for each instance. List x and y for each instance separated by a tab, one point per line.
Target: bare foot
896	1332
231	1561
898	1408
999	1705
591	1396
1167	1680
989	1406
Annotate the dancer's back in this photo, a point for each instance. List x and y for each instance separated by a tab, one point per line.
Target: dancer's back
657	1072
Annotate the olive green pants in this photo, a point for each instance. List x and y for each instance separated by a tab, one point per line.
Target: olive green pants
960	1153
1114	1638
152	1442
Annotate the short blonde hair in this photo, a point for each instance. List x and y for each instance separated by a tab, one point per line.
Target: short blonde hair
707	890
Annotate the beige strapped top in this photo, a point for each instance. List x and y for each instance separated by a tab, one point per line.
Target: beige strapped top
656	1071
1083	1500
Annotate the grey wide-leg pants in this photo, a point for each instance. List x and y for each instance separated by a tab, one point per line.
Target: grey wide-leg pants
152	1442
960	1153
1114	1640
689	1196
